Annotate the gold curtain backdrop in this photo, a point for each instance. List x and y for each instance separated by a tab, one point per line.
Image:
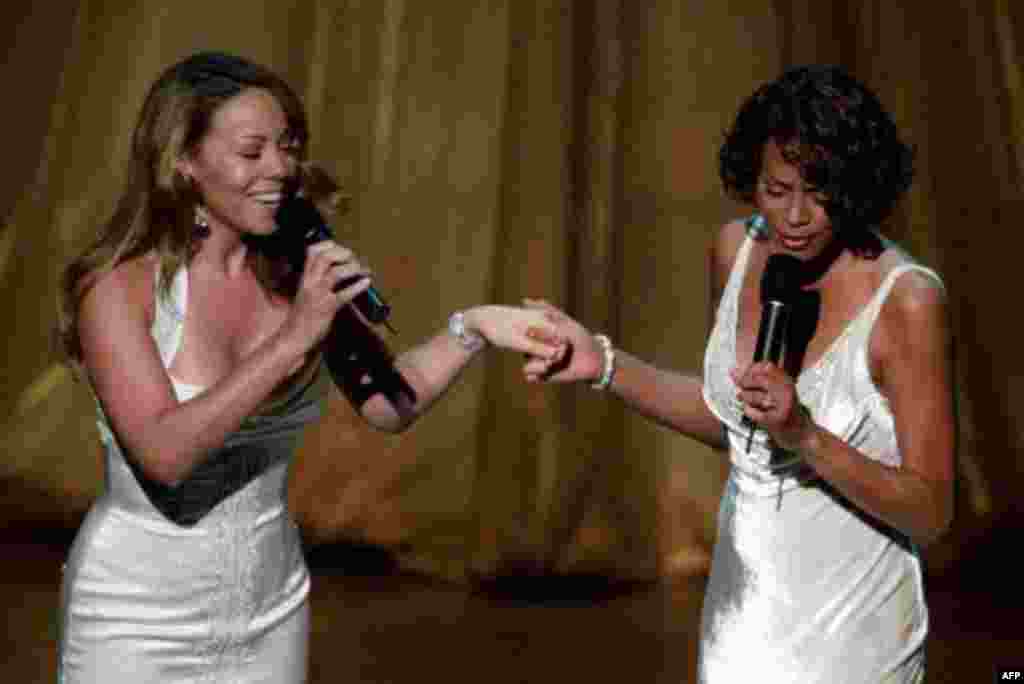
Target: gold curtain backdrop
496	149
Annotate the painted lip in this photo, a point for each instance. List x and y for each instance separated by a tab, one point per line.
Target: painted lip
271	200
795	243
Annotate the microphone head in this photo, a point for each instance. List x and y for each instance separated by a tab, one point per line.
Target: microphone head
781	279
299	214
299	224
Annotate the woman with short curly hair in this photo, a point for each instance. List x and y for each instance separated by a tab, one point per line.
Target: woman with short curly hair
839	135
841	446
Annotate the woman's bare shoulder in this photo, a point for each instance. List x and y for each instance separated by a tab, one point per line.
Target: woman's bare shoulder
915	306
129	284
726	245
911	280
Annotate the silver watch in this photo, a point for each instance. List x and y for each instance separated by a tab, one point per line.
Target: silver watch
467	339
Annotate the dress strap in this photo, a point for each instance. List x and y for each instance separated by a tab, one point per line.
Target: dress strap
169	314
875	307
754	226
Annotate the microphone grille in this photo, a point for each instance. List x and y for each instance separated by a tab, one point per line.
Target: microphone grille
781	279
299	213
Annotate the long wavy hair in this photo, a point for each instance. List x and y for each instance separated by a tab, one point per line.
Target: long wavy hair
839	134
156	208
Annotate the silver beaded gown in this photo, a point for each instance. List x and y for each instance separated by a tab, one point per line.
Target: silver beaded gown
804	587
223	599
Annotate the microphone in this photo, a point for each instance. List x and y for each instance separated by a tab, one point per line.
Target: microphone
780	286
301	224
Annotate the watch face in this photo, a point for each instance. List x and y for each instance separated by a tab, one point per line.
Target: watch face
457	327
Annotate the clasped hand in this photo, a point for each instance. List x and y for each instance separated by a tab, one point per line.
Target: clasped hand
517	329
557	348
581	359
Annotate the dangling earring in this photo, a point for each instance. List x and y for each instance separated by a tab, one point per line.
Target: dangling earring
201	225
756	223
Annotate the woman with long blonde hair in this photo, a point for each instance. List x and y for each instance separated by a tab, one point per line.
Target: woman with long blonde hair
204	350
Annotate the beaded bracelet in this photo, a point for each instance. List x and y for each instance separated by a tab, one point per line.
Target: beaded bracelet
609	363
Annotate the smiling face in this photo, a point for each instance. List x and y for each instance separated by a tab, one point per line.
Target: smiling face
794	209
242	164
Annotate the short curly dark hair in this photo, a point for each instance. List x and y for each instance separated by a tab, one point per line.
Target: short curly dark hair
836	130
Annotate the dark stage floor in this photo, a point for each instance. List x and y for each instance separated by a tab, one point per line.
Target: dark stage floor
372	624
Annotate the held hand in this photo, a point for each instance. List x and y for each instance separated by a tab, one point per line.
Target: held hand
316	301
583	359
517	329
769	398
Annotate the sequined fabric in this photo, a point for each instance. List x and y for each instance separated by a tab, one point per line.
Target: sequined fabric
223	600
804	587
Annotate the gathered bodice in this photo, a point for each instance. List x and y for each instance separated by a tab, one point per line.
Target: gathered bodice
837	389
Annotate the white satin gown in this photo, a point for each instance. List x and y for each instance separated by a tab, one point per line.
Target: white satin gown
223	600
805	588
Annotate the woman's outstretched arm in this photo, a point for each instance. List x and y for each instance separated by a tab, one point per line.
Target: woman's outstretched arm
395	392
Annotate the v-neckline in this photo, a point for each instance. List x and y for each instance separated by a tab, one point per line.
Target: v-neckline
180	304
830	348
272	403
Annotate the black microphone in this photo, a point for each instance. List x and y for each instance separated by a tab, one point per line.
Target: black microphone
780	287
301	224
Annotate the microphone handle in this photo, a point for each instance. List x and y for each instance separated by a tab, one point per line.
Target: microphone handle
770	346
771	337
369	302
